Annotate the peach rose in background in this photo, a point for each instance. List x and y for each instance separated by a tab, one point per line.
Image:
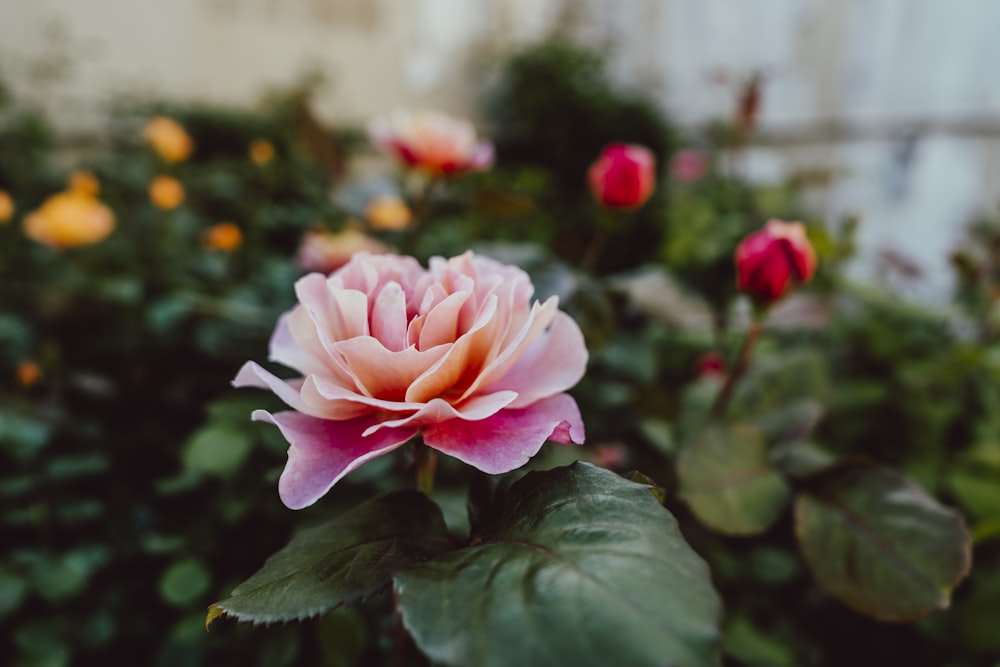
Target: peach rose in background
327	251
168	139
224	237
85	182
69	219
387	349
432	142
624	176
388	212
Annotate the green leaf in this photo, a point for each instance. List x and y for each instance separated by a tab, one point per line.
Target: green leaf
341	560
879	543
573	566
729	483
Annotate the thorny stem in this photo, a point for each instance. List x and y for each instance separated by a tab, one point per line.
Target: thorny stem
740	367
427	459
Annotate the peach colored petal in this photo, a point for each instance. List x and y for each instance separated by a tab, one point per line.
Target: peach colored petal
553	363
382	373
509	438
438	410
440	324
348	402
322	451
388	323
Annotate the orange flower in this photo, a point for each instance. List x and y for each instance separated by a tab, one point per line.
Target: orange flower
170	141
166	192
69	219
388	212
324	251
28	373
224	236
261	152
84	182
6	207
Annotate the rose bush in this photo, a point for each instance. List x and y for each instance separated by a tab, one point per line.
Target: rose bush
388	349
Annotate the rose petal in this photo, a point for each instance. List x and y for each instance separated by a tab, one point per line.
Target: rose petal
253	375
438	410
553	363
382	373
509	438
322	451
388	323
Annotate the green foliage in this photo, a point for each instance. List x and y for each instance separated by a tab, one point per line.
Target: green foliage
572	565
880	543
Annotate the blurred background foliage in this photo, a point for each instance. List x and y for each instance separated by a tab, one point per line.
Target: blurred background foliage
135	491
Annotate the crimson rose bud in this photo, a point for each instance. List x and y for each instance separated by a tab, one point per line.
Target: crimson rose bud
624	176
768	262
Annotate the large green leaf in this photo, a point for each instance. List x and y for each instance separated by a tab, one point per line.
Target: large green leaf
573	566
879	543
341	560
729	483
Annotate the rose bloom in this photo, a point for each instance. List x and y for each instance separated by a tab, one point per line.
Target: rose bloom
432	142
624	176
6	207
85	182
166	192
388	212
386	349
69	219
770	261
170	141
327	251
689	166
261	152
224	236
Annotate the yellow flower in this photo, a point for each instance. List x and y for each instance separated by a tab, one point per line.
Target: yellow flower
166	192
69	219
223	236
28	373
261	152
6	207
388	212
84	182
170	141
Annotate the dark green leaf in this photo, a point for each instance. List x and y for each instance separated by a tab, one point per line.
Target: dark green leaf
216	449
184	582
575	566
341	560
879	543
729	483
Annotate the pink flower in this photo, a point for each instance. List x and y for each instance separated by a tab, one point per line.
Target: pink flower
689	166
431	141
387	349
623	176
769	261
327	251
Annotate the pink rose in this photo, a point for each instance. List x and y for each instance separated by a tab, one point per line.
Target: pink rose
387	349
770	261
326	251
689	166
624	176
431	141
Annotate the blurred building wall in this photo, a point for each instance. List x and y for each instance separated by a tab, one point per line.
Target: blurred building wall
902	97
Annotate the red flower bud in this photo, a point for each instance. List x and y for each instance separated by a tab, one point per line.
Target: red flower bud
769	261
624	176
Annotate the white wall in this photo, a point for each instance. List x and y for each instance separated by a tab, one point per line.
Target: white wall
902	95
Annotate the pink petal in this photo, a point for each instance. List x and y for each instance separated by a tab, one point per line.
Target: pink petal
438	410
440	325
340	402
389	317
552	364
286	351
253	375
509	438
322	451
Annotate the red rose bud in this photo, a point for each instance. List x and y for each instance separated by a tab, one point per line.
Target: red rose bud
769	261
624	176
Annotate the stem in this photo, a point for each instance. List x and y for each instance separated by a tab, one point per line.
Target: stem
740	368
427	459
